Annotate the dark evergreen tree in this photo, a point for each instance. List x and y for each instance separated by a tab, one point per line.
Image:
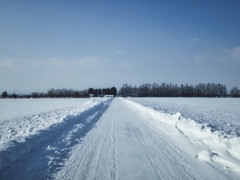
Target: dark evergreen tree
113	91
90	91
4	94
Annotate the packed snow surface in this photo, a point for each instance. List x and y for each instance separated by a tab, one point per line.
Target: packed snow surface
117	138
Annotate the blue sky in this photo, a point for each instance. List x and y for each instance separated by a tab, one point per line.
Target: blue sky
80	44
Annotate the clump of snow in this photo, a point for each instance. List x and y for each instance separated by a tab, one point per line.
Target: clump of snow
223	149
219	160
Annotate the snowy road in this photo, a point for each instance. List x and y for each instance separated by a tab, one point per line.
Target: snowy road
124	145
115	139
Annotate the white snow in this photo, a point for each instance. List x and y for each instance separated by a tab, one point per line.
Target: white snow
215	147
14	108
219	113
117	138
31	116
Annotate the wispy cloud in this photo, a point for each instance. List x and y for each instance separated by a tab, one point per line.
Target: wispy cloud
195	39
9	63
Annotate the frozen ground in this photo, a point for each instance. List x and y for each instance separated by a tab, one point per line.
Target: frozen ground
112	139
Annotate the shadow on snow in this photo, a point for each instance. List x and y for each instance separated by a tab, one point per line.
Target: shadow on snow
43	154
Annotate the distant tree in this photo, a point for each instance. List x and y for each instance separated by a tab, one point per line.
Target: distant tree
171	90
4	94
51	93
35	95
113	91
104	91
90	91
95	92
14	95
155	90
235	92
77	95
108	91
126	90
99	92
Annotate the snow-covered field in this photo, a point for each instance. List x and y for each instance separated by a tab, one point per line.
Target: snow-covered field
212	125
21	118
117	138
220	113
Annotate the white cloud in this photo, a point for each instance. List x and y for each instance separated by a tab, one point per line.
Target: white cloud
9	64
234	53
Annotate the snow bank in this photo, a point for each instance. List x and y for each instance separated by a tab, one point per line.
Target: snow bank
23	135
27	117
217	148
18	128
222	114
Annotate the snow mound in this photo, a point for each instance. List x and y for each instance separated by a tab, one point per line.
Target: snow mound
219	160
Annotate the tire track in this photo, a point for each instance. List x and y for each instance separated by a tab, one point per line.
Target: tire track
114	171
90	160
166	159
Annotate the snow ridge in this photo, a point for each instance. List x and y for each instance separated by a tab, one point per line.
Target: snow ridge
19	128
216	148
221	114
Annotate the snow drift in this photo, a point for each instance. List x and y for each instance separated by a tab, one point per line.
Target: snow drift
50	135
217	148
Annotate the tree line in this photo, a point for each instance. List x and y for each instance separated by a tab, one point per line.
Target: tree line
174	90
65	93
102	92
144	90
